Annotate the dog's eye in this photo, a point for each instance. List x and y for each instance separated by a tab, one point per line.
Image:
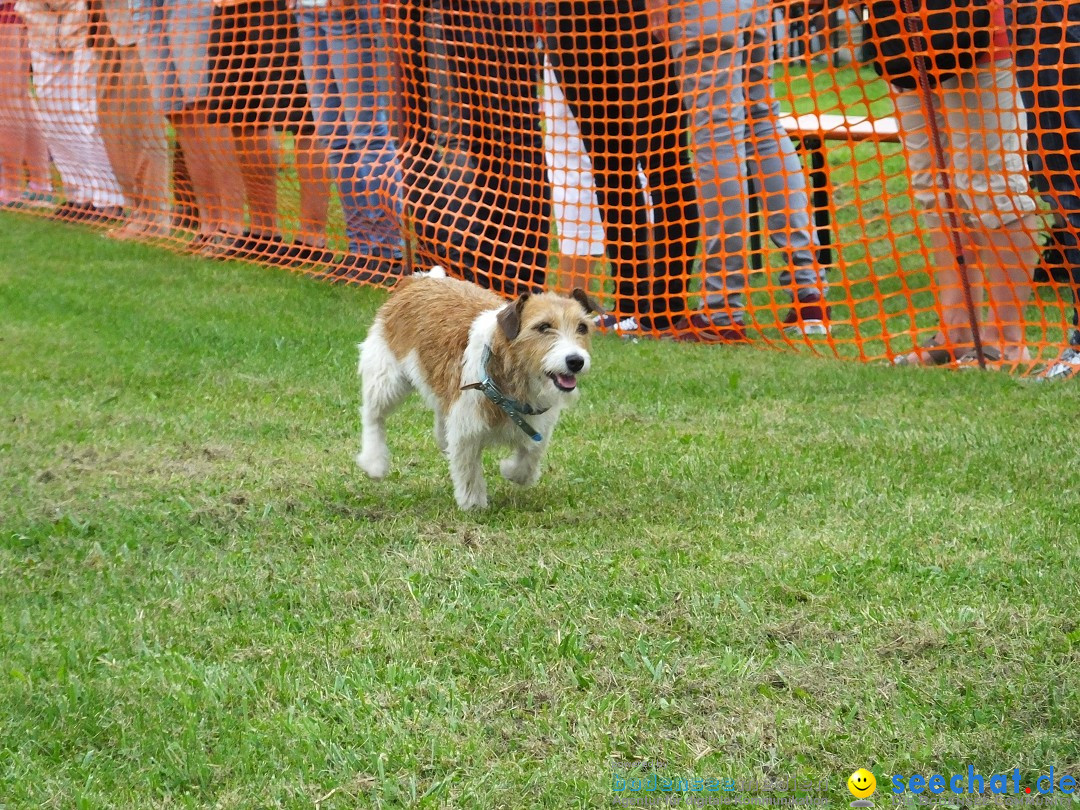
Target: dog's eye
583	329
543	327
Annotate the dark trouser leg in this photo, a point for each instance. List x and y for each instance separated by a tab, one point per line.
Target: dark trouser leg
474	170
671	183
1048	75
608	66
492	50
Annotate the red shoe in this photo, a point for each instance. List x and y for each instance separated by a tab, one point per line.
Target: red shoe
700	328
808	317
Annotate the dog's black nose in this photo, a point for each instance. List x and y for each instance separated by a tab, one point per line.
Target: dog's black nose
575	362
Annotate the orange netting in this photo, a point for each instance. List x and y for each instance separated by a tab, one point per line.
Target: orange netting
883	180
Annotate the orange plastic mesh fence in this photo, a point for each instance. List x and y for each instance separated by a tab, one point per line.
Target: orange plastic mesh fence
884	180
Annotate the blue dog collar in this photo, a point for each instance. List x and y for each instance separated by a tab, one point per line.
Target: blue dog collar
514	409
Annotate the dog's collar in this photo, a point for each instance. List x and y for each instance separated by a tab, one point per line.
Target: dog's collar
514	409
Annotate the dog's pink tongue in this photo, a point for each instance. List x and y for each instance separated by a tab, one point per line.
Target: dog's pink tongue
567	380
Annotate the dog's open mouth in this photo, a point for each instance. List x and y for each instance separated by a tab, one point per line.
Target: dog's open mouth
564	382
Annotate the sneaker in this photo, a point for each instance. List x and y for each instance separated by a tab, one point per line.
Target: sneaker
808	317
1065	367
615	323
699	327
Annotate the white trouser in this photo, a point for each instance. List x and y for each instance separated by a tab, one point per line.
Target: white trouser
67	108
573	203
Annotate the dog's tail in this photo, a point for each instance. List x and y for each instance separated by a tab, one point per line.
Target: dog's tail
438	271
435	272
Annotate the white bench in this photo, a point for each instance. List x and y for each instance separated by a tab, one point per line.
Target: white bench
812	132
841	127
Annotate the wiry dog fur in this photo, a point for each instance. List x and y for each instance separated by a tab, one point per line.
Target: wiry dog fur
430	337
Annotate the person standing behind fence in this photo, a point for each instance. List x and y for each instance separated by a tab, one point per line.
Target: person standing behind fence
622	87
24	158
173	42
256	87
346	68
133	130
66	86
1048	72
979	115
726	50
476	194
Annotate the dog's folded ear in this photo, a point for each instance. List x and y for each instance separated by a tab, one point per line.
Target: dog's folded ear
509	317
586	301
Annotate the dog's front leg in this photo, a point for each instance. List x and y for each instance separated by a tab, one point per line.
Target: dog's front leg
467	472
523	468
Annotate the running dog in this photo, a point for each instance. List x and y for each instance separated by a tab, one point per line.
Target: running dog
495	373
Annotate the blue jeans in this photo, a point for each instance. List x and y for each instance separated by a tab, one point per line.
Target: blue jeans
346	66
725	50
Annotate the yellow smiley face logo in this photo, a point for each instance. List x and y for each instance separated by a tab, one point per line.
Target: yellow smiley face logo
861	783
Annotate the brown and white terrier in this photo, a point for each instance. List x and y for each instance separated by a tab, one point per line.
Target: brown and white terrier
493	372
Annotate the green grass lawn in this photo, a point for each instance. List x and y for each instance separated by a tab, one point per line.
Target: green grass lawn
741	563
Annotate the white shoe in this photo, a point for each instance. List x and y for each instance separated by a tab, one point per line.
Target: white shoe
1065	367
612	323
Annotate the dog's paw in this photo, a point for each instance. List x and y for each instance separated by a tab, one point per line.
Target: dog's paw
524	475
471	494
376	465
471	502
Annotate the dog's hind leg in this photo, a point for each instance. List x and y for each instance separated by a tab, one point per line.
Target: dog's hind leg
440	432
385	386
